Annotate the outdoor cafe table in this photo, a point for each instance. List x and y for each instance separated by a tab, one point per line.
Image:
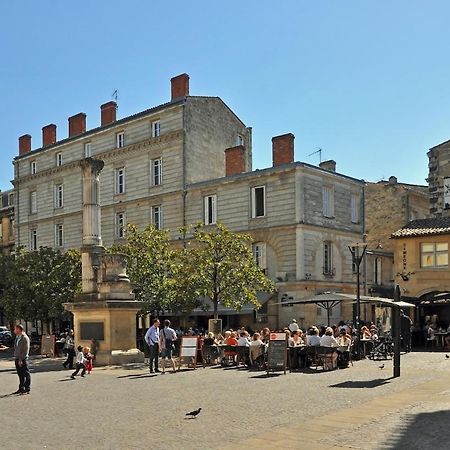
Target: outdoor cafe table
441	335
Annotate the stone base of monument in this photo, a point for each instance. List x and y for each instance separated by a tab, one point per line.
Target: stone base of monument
112	323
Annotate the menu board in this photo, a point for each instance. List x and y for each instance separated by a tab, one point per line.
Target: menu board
188	350
48	345
277	352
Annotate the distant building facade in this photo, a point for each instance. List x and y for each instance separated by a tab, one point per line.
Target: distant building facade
7	238
190	161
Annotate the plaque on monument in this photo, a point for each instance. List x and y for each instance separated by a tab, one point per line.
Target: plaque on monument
92	330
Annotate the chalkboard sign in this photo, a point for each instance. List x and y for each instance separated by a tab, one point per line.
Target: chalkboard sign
188	350
277	353
92	330
215	326
48	345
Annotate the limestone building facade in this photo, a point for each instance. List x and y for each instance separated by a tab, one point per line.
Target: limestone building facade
7	238
190	161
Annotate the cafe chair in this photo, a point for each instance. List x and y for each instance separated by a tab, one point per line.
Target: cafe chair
326	357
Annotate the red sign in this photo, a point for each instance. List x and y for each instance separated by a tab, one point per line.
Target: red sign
277	336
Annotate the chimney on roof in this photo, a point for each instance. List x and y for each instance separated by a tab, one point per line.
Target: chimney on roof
180	86
283	149
234	160
328	165
24	144
77	124
48	135
108	113
393	180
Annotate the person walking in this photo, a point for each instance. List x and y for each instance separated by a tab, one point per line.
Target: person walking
21	355
405	327
80	363
70	349
152	340
167	341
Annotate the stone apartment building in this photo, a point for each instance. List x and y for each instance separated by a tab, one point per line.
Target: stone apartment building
7	238
187	161
388	206
439	179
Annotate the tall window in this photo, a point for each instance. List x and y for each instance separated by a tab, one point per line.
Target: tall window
434	254
59	159
354	264
239	140
33	202
328	259
87	150
33	167
355	206
59	196
33	239
210	209
156	128
157	217
258	201
259	253
377	271
328	201
120	139
11	199
59	235
120	180
120	225
156	171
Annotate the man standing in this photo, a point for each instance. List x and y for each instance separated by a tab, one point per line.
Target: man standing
69	346
405	326
21	354
152	339
167	344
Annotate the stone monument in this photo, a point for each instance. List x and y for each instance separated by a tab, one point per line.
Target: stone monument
106	308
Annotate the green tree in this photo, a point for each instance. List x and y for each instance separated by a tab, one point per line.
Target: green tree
226	271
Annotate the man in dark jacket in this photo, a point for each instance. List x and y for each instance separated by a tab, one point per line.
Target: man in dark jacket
21	355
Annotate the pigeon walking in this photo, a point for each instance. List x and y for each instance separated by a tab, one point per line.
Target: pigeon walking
447	356
194	414
381	367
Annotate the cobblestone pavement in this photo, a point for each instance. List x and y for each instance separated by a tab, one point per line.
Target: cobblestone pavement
116	408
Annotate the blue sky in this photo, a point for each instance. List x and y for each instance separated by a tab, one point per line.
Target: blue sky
366	81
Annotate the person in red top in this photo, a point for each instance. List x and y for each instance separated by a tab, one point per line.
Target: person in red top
231	341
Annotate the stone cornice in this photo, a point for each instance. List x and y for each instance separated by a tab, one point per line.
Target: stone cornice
157	142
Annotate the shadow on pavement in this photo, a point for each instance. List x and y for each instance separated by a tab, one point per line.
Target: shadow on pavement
265	375
421	431
361	384
138	376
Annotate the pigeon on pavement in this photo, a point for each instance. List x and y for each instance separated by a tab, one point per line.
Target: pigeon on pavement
194	414
381	367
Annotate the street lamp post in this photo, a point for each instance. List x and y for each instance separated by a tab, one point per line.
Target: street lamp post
357	257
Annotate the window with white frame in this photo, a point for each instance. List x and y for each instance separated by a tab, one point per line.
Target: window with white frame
434	255
355	208
210	209
59	235
59	159
328	201
87	150
33	239
157	217
259	253
239	140
59	196
328	258
156	128
120	180
33	202
156	171
377	271
120	225
33	167
258	201
120	139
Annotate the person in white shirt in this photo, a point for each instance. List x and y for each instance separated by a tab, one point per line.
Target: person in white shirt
328	340
80	363
313	339
293	326
244	340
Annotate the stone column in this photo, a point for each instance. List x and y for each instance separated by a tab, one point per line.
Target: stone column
92	239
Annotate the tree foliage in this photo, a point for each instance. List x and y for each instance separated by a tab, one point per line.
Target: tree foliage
36	284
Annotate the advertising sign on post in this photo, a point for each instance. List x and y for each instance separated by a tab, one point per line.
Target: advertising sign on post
215	326
277	352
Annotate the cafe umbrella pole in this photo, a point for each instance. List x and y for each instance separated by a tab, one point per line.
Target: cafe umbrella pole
357	259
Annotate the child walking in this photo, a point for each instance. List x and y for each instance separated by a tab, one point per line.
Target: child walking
89	359
80	363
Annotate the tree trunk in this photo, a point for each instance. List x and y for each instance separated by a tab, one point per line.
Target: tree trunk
216	307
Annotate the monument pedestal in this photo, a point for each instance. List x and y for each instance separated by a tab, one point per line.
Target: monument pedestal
112	323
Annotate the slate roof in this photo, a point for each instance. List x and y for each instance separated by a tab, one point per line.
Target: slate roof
424	227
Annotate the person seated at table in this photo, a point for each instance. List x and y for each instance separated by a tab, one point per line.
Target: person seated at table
231	339
296	339
313	339
265	334
244	340
220	340
256	348
328	340
374	334
365	333
322	331
209	339
344	340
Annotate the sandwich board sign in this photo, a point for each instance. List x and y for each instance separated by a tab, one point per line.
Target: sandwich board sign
188	350
277	352
48	345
